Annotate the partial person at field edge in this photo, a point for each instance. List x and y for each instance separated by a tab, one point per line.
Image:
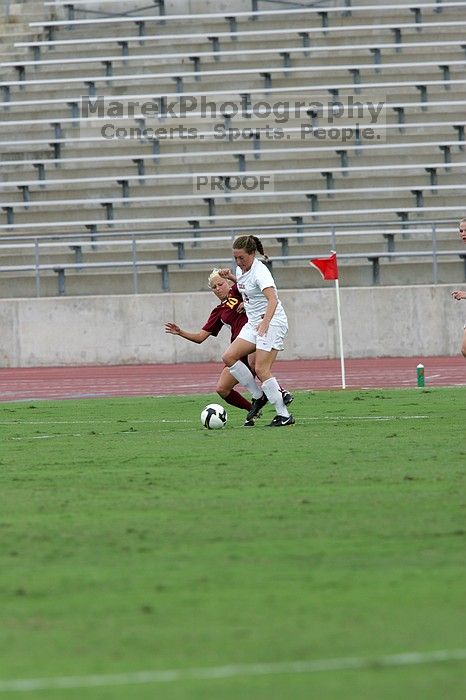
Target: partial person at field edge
459	294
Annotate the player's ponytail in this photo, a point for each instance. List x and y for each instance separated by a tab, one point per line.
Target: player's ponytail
250	244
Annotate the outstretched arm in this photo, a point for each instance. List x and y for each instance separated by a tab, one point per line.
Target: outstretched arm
193	337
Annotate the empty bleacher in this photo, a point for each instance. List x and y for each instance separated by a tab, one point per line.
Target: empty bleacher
288	122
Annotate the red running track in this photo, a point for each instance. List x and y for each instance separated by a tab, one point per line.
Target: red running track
18	384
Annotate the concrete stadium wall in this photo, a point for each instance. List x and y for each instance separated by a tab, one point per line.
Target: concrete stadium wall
386	321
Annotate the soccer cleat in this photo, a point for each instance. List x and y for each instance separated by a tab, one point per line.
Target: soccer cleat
287	397
257	406
278	421
251	422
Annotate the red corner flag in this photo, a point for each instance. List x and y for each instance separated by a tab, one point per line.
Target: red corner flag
327	267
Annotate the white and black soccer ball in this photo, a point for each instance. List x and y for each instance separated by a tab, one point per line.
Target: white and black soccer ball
214	416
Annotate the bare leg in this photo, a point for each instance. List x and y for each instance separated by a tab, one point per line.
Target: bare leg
225	389
270	386
232	358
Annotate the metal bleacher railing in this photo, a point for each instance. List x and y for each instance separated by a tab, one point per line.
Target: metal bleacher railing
401	211
210	201
311	8
108	61
303	33
85	6
267	73
397	199
232	18
352	142
242	152
240	156
185	240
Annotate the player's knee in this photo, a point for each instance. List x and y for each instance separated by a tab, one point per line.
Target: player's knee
262	372
221	391
259	374
228	358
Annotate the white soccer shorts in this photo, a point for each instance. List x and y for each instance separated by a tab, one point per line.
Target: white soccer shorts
273	340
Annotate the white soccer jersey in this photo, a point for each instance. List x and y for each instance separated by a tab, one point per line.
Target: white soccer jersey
250	285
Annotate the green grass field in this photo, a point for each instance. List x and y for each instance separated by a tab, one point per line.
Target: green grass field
132	539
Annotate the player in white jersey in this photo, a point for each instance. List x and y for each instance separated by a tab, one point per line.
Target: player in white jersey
459	294
265	330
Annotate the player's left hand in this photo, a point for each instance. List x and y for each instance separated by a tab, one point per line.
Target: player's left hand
262	328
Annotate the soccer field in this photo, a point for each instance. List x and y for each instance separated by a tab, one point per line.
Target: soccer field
133	540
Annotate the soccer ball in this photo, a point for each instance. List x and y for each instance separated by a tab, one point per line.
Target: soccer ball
214	416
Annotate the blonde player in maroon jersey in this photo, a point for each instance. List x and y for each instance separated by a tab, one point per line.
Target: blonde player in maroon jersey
459	294
228	313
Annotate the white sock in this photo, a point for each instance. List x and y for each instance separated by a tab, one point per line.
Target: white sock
245	377
274	395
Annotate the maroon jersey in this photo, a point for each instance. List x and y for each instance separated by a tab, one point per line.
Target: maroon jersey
226	314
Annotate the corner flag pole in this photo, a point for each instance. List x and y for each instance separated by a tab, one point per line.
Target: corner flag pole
340	336
328	268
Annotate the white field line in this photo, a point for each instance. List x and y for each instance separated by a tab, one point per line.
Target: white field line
19	423
89	422
330	418
49	437
233	671
428	377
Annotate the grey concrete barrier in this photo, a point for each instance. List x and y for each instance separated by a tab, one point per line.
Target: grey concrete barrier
129	329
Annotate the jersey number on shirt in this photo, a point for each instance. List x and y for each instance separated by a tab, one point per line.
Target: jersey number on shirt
231	302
